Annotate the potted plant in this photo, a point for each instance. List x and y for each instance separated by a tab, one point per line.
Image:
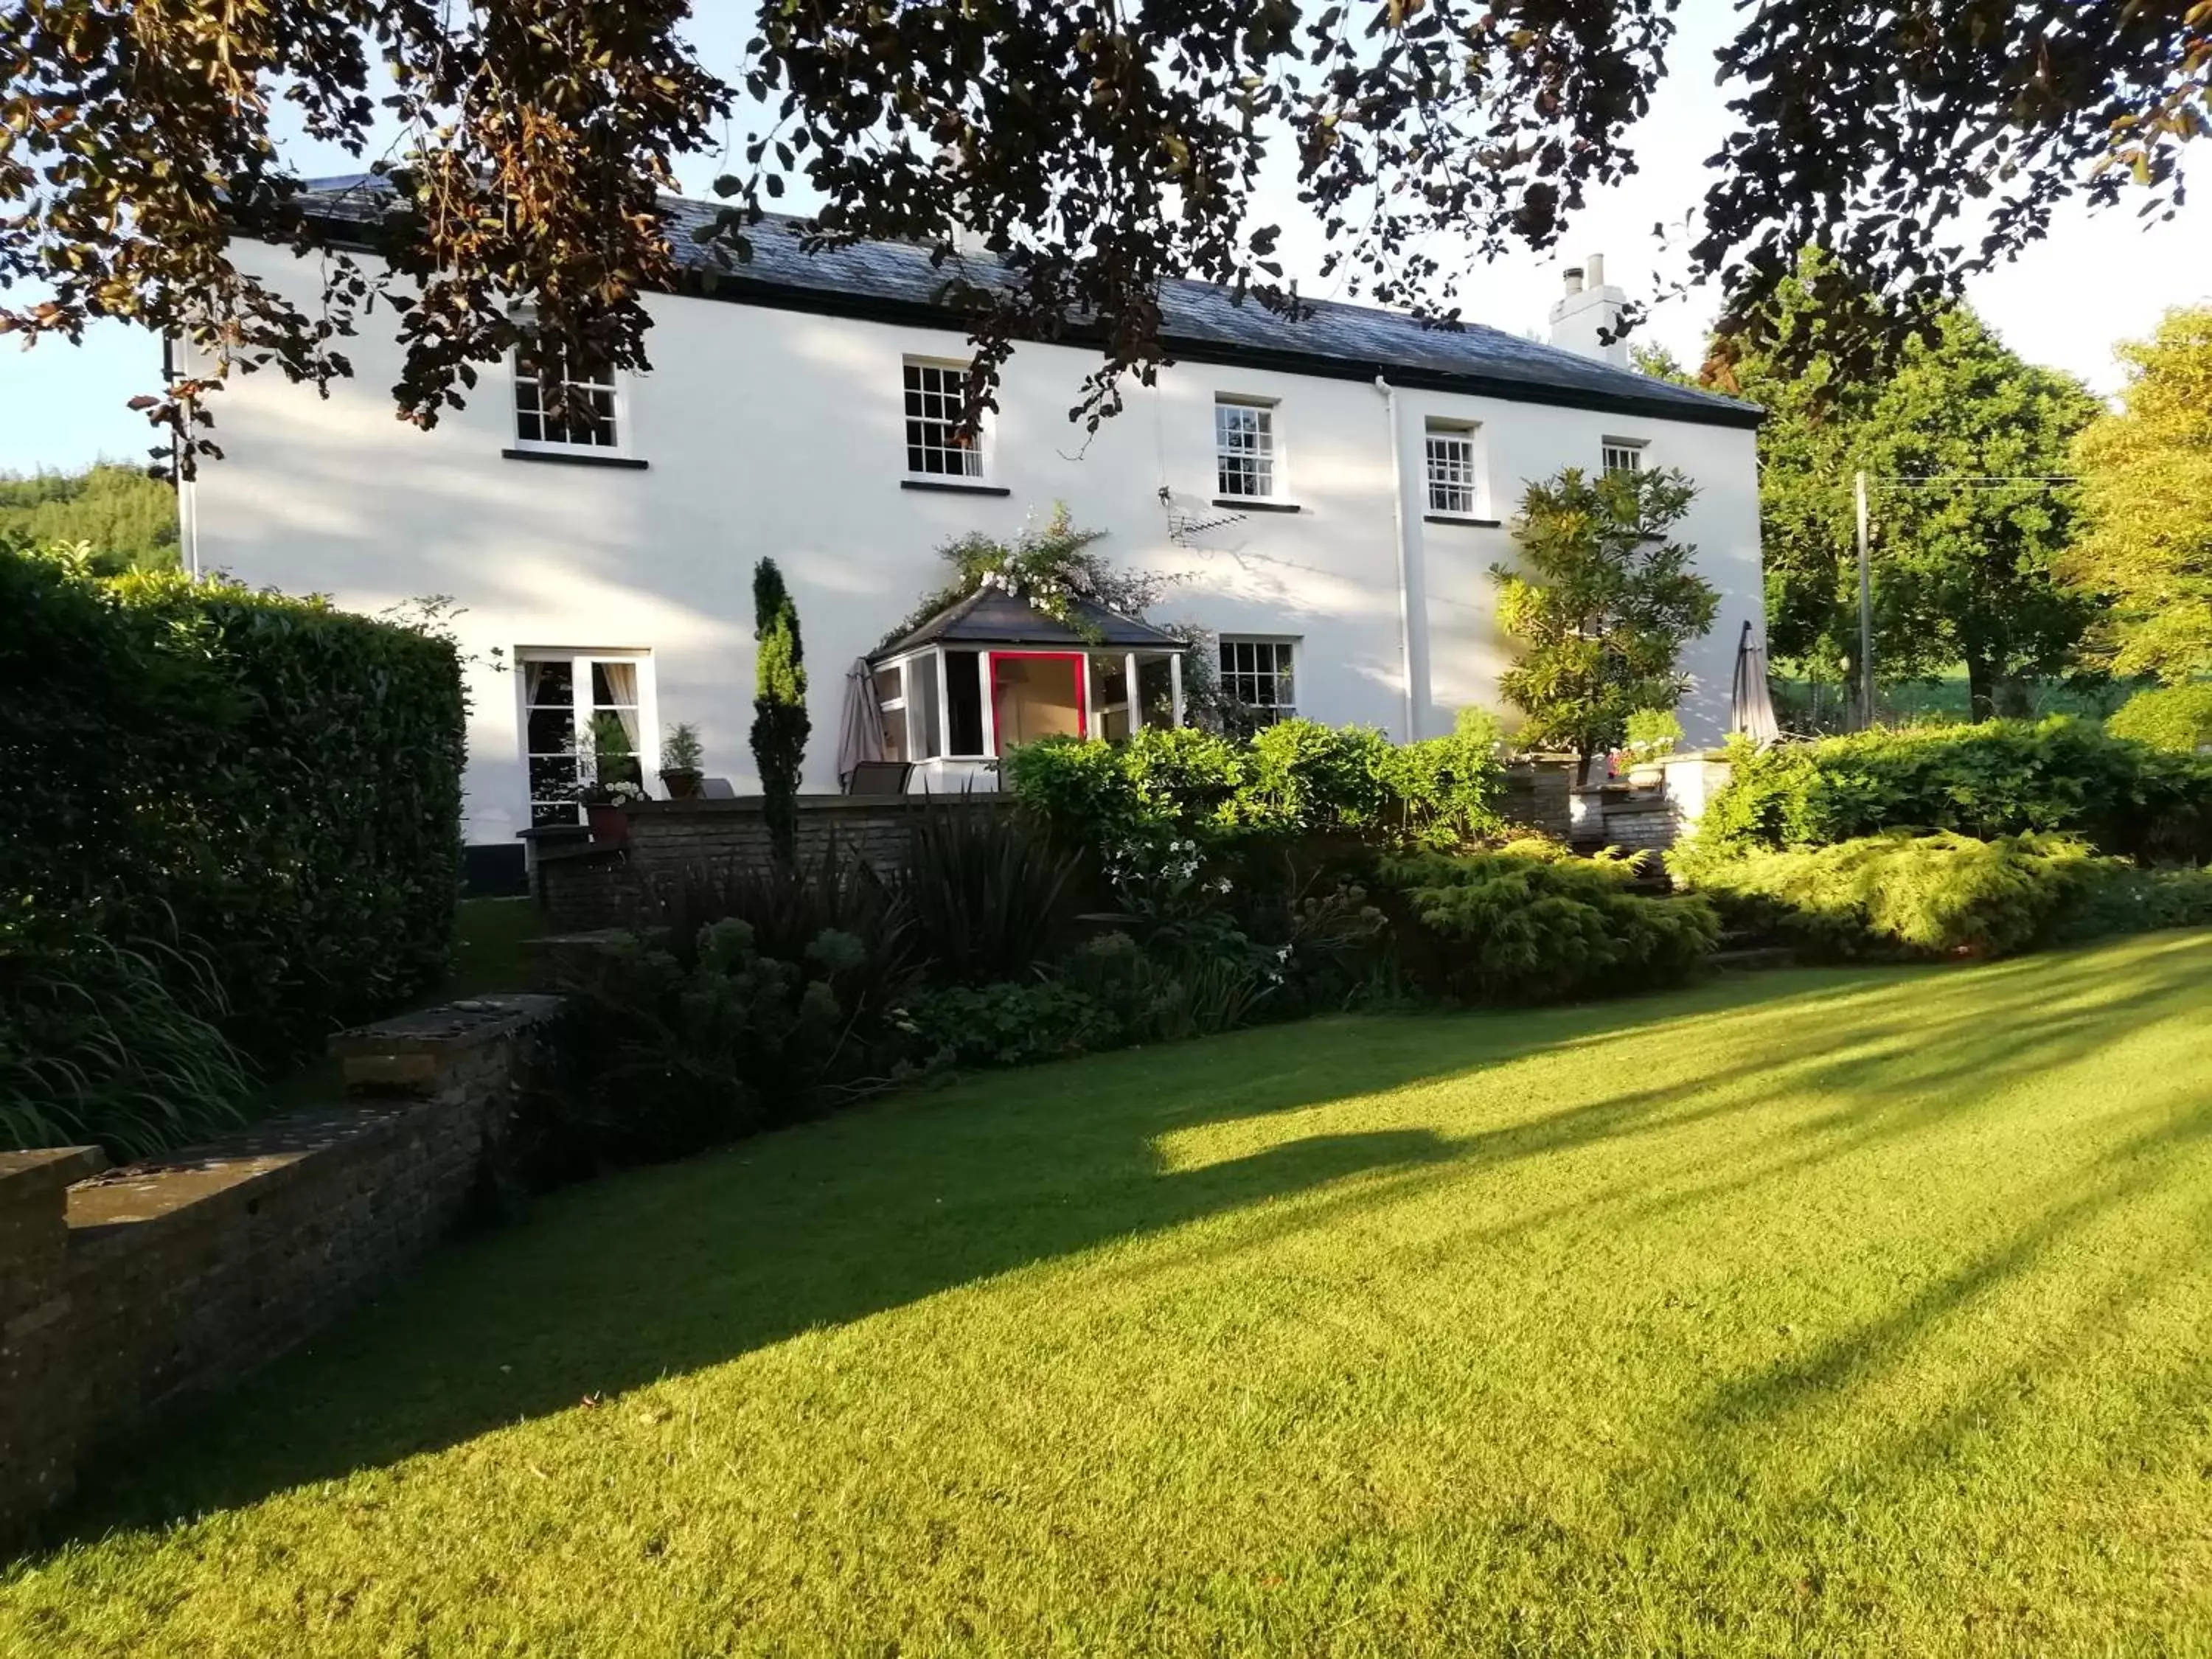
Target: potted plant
613	783
679	762
1652	735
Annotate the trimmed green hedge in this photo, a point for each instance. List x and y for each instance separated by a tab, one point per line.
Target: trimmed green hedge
1293	779
2178	717
270	784
1948	894
1997	779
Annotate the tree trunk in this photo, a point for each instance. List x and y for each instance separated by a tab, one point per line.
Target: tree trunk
1981	689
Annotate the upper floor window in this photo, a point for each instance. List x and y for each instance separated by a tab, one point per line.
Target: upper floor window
583	412
1454	484
1257	681
935	446
1244	447
1621	455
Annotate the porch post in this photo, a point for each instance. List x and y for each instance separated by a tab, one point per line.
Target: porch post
944	704
1175	686
1131	716
990	710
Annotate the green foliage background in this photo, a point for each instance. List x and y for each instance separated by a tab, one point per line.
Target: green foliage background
128	519
2146	506
1963	573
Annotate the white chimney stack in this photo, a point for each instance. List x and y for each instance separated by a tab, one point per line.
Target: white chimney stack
1591	308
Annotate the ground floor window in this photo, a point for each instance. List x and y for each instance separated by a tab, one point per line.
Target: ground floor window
583	722
1258	680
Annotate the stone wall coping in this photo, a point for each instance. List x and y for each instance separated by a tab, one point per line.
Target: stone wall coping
449	1028
265	1156
25	1174
582	852
753	805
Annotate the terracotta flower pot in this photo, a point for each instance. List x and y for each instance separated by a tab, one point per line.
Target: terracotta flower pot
610	824
682	784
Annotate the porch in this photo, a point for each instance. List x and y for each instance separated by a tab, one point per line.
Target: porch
952	697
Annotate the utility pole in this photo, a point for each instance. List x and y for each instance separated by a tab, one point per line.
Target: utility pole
1866	603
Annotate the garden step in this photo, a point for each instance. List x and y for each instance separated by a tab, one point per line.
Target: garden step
1752	957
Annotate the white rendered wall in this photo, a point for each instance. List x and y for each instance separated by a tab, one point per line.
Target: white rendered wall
781	432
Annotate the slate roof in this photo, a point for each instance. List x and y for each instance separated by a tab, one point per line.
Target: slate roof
991	616
895	282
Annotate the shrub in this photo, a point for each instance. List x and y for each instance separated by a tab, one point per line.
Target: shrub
1172	996
1926	895
988	892
270	784
2001	778
1448	790
112	1045
2122	898
2177	717
787	908
677	1049
1295	778
1010	1024
1324	944
1652	735
780	718
1532	924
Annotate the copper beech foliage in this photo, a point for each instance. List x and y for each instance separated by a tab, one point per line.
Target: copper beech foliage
1095	146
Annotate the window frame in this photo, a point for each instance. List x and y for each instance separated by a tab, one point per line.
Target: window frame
1609	446
1283	666
978	473
1455	430
1276	453
617	411
583	706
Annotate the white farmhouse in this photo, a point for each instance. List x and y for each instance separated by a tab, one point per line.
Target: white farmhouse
1330	495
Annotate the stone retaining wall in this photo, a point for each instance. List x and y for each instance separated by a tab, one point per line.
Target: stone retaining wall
123	1292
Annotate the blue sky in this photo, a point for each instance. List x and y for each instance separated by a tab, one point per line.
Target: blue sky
2099	279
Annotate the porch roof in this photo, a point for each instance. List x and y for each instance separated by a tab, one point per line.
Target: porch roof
991	616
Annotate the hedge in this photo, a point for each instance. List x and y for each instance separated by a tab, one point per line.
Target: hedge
1997	779
1948	894
268	784
1293	779
2178	717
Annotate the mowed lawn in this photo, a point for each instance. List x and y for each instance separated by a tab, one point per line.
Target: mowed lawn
1836	1312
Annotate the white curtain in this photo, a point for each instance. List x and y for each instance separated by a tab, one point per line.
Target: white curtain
622	690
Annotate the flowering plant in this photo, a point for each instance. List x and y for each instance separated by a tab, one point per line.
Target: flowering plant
1652	735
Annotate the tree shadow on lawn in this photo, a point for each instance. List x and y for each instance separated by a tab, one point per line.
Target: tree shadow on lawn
665	1271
